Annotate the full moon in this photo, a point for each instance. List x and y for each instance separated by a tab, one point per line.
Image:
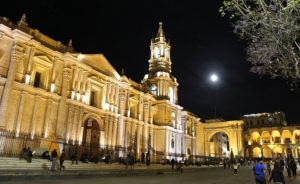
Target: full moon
214	77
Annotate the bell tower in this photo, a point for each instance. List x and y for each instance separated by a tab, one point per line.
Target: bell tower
159	80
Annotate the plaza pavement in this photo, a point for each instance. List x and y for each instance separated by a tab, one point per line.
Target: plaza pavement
201	175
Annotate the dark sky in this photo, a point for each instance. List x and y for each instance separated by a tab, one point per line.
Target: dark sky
202	42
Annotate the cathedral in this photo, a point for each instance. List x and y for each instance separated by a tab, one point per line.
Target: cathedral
54	97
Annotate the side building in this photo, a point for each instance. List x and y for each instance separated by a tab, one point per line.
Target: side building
267	135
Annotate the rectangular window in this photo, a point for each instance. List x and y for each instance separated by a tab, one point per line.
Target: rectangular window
37	79
93	98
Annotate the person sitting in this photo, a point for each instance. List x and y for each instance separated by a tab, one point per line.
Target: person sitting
29	155
46	155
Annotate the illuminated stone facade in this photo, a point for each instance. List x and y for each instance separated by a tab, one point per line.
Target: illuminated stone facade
272	142
61	96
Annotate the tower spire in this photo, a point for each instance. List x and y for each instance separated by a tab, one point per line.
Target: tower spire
160	34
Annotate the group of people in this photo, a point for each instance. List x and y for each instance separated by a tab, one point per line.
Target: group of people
53	157
26	154
178	164
263	174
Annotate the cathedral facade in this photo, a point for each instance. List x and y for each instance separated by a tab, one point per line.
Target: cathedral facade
51	92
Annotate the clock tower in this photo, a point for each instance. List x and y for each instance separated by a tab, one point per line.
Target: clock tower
159	80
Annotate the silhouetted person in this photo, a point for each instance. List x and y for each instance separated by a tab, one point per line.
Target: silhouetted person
62	159
53	159
173	163
277	175
294	168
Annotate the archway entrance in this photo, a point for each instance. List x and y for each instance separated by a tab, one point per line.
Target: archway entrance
228	131
289	153
267	152
256	152
219	145
91	138
277	152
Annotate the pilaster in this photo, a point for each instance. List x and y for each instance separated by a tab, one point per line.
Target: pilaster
16	55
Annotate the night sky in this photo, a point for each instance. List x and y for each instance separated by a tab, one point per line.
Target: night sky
202	42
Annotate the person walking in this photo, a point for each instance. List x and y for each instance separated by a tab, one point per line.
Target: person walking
294	168
289	167
62	159
269	167
259	172
173	163
224	163
53	159
235	168
277	175
179	167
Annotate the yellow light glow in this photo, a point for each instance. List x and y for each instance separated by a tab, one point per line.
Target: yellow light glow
78	96
27	79
72	95
105	106
52	87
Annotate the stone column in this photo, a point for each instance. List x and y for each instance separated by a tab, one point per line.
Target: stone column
121	136
110	131
79	127
106	123
145	137
70	121
127	134
151	139
133	138
47	118
15	57
114	132
117	99
166	142
30	60
32	119
108	92
62	113
154	144
139	137
20	112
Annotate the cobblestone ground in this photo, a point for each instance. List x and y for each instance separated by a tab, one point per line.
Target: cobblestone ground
202	175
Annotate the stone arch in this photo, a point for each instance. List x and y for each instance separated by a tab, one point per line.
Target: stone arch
276	137
233	130
256	152
267	152
296	136
95	117
286	136
277	150
255	137
92	134
288	151
222	152
266	137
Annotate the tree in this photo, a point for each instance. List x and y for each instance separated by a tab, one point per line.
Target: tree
272	31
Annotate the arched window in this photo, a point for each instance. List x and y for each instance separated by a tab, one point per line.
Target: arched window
171	94
167	53
156	52
161	50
